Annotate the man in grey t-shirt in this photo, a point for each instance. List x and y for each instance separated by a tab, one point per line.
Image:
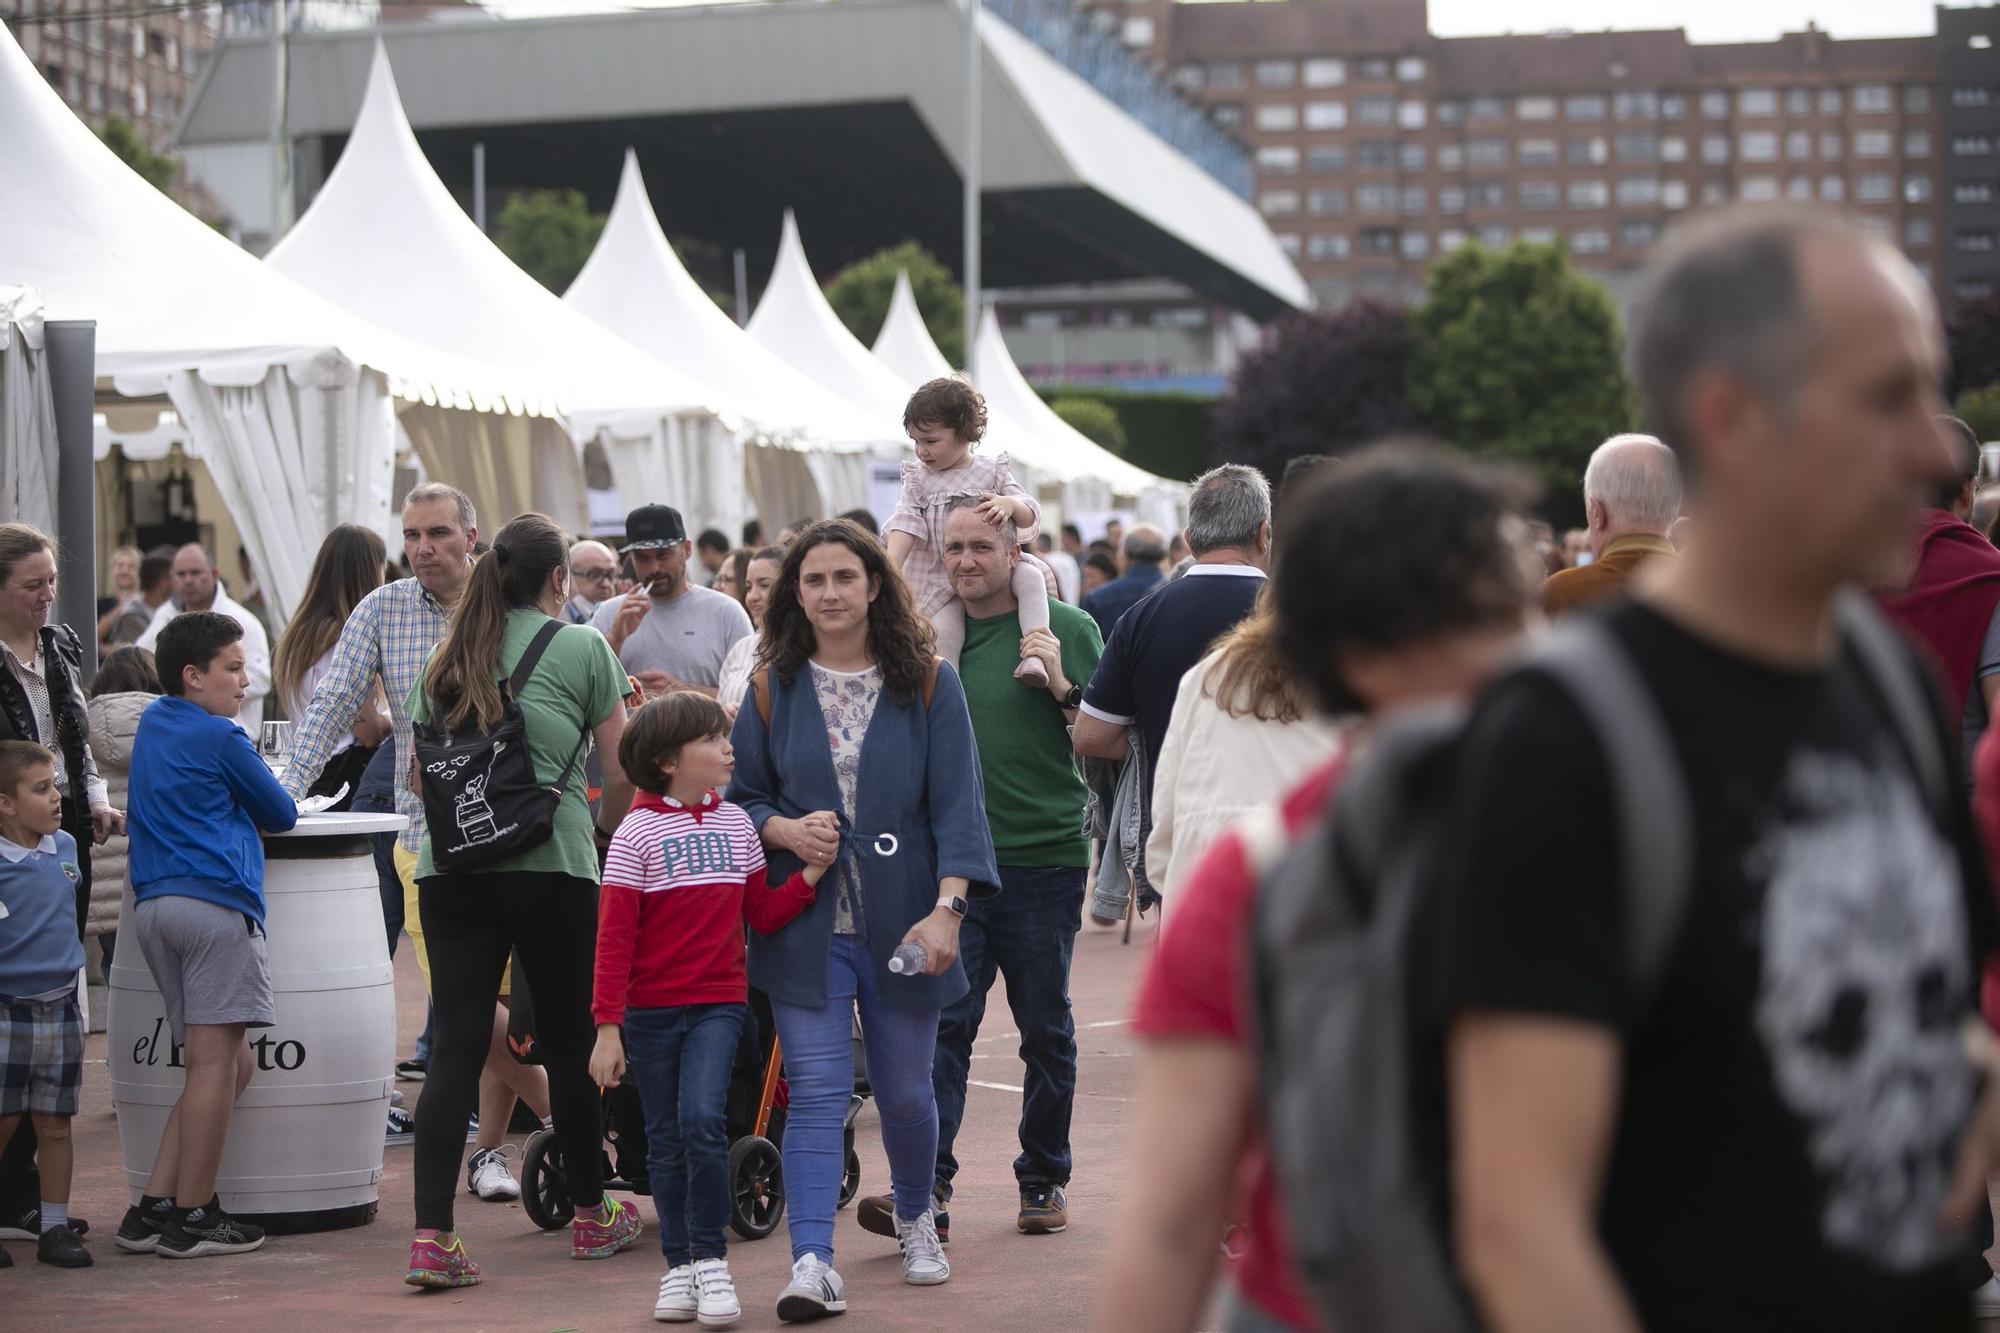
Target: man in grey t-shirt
669	634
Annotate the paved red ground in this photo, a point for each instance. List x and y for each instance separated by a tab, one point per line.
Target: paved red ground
352	1279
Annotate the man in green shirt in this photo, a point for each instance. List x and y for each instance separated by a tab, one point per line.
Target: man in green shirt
1034	806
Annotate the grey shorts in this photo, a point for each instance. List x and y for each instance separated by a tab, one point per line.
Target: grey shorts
209	962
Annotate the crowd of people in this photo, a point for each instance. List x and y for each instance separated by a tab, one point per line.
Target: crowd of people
1697	1050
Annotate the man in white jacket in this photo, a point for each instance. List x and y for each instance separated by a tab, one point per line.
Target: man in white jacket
196	588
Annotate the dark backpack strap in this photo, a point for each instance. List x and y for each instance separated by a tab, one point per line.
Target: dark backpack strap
529	659
1886	663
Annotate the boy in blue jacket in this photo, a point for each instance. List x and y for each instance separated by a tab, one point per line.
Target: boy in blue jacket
197	797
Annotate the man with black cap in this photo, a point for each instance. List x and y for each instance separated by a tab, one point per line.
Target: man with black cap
669	633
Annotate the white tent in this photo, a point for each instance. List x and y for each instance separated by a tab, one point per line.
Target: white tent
294	402
27	414
385	239
905	344
636	286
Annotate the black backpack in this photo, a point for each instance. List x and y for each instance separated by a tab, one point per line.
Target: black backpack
482	801
1350	1067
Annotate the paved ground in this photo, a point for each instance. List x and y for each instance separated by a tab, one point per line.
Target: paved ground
352	1279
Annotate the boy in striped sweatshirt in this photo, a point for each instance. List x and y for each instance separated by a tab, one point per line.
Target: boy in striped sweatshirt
684	872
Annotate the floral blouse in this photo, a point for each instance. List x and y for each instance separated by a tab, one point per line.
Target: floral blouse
847	701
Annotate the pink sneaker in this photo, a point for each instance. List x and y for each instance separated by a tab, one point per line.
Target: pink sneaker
434	1264
592	1239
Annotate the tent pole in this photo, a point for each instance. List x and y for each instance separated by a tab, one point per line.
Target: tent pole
742	288
479	187
972	281
281	166
72	352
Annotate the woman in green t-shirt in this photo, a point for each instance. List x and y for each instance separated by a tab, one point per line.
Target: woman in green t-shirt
541	903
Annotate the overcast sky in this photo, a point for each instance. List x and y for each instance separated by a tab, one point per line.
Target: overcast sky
1705	20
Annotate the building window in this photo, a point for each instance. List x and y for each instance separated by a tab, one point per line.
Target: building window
1416	201
1715	106
1831	146
1715	148
1798	102
1225	74
1375	154
1277	116
1375	69
1323	73
1375	112
1451	157
1411	115
1972	145
1326	203
1486	152
1872	98
1288	243
1451	199
1638	235
1228	115
1973	289
1874	143
1973	242
1541	196
1537	153
1799	188
1635	105
1972	192
1873	189
1916	189
1138	32
1714	194
1277	73
1758	189
1590	241
1410	69
1488	194
1410	156
1757	102
1326	161
1976	95
1485	111
1582	194
1378	240
1327	245
1587	152
1190	78
1673	148
1638	148
1493	238
1375	199
1416	244
1279	203
1539	235
1638	191
1832	189
1916	231
1674	194
1535	108
1583	108
1280	161
1450	239
1798	146
1758	146
1326	115
1916	99
1829	101
1449	113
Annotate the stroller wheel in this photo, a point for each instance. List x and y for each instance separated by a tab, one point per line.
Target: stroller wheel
544	1190
850	1177
757	1187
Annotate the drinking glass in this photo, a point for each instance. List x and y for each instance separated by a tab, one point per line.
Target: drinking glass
276	746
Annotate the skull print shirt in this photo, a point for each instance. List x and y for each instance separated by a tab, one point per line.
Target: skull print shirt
1792	1097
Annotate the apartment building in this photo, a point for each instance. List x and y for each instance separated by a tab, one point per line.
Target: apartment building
107	62
1379	147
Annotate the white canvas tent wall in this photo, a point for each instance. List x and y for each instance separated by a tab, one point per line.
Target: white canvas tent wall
27	414
293	400
636	286
1109	478
385	239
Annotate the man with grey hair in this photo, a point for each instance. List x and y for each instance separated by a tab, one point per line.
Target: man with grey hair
1145	558
1807	1027
1631	497
593	575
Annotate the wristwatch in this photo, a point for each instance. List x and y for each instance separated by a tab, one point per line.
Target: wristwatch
957	904
1074	699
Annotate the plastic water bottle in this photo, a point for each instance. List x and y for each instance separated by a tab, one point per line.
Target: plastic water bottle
908	960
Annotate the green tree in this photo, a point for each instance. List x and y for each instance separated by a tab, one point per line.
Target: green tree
1518	358
549	233
1096	420
860	295
1980	409
157	168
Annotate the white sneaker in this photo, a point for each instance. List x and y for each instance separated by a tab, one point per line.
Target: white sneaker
487	1175
715	1294
813	1294
1986	1301
924	1264
677	1301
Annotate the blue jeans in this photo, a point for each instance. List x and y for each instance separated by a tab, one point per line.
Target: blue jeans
818	1047
1026	933
681	1059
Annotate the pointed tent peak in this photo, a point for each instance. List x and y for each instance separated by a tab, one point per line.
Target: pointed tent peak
632	184
382	103
905	344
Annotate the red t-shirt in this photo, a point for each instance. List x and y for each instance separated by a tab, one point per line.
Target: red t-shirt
1195	987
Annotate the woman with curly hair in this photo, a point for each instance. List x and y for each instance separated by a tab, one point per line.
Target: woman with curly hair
856	753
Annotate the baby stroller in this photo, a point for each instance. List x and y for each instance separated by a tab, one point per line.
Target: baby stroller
755	1115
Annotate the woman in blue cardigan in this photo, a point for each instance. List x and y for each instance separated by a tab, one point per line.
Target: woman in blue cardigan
866	765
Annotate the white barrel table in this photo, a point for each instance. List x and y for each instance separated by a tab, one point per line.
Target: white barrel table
305	1144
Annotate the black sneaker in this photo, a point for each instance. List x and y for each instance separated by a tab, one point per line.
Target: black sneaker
412	1070
63	1248
1044	1210
6	1259
206	1231
27	1225
140	1232
877	1215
